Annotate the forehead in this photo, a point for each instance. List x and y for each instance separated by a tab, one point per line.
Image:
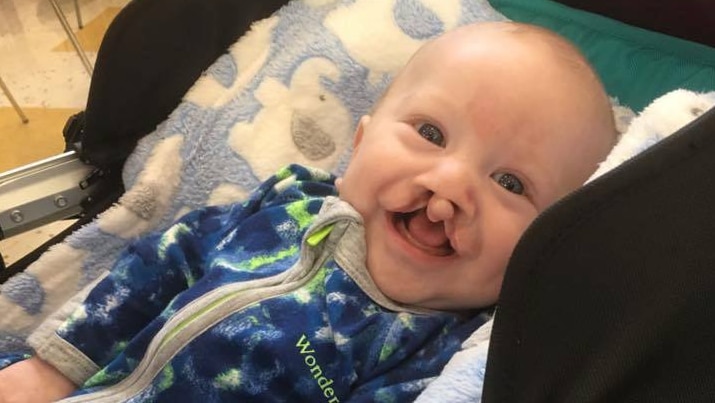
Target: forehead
487	56
496	72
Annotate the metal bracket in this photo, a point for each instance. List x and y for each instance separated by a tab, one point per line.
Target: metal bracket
42	192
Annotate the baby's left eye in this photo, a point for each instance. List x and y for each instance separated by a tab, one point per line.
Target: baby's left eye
431	133
509	182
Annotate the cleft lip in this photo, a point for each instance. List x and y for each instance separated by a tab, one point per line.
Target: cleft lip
401	220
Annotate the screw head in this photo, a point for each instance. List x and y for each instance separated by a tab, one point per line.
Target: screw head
16	216
61	201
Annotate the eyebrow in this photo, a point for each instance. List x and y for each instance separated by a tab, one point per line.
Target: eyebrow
432	96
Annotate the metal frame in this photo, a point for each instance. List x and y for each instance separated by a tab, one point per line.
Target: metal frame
42	192
51	189
72	37
77	12
14	103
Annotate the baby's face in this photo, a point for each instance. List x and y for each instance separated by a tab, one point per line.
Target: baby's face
468	146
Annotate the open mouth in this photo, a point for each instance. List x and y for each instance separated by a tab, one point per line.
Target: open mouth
417	229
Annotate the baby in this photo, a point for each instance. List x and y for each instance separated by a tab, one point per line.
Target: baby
299	295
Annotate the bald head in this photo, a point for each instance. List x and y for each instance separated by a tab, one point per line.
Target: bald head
532	49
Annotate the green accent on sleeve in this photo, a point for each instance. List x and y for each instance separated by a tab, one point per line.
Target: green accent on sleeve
190	278
318	236
119	346
315	287
407	321
386	351
299	212
262	260
170	237
167	378
228	380
385	396
103	378
391	344
77	317
284	173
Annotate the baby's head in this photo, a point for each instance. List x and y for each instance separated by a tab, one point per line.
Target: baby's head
484	128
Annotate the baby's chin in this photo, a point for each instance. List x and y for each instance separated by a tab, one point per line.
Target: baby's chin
418	297
403	292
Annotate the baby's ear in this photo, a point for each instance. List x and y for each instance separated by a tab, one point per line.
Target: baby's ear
359	130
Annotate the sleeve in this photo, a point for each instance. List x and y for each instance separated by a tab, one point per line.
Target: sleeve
155	269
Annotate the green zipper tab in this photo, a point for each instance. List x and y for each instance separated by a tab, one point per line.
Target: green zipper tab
319	235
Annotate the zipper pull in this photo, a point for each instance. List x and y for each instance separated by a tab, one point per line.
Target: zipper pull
317	237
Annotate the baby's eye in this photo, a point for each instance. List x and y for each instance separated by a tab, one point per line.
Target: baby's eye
431	133
509	182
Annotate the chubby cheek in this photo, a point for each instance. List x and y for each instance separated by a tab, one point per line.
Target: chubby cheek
395	285
353	190
350	185
391	276
367	188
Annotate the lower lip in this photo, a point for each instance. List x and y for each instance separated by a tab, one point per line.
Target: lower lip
413	252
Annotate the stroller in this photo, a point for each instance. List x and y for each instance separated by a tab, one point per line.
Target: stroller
607	295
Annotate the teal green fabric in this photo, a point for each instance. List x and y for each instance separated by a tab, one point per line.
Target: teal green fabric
635	65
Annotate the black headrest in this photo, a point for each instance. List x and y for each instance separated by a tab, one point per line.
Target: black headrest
688	19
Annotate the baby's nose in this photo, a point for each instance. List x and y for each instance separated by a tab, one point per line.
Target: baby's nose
439	209
455	190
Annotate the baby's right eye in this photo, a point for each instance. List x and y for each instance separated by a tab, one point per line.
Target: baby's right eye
431	133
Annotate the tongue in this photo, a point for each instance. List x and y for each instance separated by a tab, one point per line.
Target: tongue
426	232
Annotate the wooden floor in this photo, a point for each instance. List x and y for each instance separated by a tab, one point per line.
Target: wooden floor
46	77
40	138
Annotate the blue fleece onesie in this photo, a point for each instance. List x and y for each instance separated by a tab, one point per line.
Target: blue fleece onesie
267	300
